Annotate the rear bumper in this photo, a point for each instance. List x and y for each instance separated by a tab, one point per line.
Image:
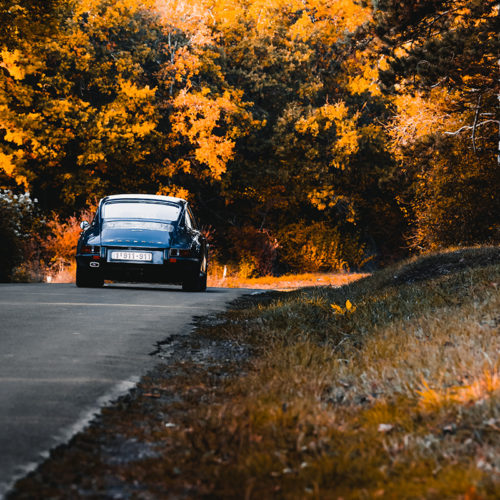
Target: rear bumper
174	272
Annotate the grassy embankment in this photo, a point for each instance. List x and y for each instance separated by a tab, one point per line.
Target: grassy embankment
387	387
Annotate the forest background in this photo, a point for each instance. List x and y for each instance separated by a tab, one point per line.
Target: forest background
309	135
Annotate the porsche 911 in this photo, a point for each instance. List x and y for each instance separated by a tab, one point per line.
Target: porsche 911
142	238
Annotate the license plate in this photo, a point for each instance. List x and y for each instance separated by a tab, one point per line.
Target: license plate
134	256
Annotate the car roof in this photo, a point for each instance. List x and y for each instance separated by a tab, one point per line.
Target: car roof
152	197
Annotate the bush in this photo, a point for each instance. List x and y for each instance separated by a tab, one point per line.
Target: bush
319	247
17	218
456	199
254	251
59	247
35	250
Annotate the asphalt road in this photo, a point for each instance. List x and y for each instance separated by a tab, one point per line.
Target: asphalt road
66	351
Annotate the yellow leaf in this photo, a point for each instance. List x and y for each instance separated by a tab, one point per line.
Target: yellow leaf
14	136
9	61
337	309
6	164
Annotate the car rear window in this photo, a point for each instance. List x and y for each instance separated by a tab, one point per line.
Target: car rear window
140	210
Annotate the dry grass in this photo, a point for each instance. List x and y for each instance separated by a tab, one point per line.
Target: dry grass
396	396
286	282
391	393
61	274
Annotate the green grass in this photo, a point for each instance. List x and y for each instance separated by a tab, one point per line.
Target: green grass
396	396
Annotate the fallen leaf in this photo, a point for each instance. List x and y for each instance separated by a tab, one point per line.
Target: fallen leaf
385	427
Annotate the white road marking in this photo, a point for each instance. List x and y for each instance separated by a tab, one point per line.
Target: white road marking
21	291
74	380
96	304
107	288
66	434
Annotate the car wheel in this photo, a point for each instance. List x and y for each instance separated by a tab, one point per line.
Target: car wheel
203	282
85	279
197	282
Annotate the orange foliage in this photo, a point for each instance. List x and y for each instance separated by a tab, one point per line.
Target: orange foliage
482	388
418	116
321	19
174	190
60	245
196	116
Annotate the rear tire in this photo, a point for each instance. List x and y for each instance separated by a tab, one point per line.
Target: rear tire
87	279
203	282
195	283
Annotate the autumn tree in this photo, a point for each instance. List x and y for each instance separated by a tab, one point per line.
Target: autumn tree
320	155
124	97
312	131
23	22
443	58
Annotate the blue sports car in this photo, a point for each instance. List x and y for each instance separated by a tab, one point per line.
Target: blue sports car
142	238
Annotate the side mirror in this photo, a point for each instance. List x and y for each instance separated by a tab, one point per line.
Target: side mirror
84	224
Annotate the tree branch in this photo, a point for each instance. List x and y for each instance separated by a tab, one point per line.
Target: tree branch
470	127
474	125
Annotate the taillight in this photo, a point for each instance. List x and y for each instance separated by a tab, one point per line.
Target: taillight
92	249
180	252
